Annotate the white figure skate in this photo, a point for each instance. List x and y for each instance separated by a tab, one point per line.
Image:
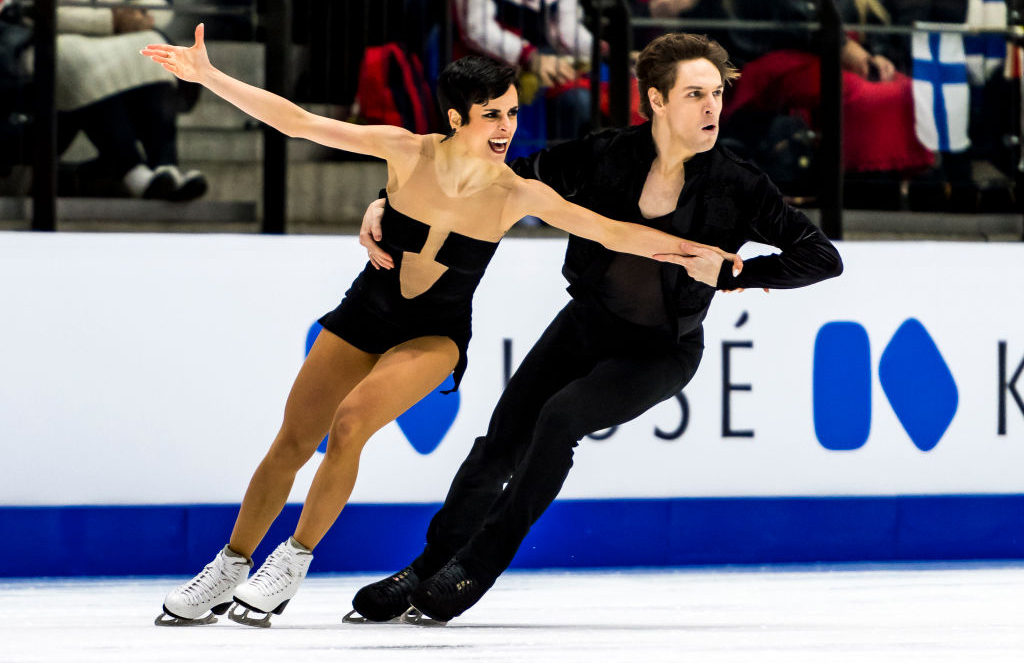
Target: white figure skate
209	593
272	586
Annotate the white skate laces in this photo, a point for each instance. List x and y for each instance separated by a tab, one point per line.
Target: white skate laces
272	586
209	593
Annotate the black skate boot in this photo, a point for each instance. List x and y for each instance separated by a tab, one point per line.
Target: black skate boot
385	599
447	594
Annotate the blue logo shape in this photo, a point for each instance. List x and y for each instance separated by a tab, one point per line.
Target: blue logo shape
918	384
424	424
842	386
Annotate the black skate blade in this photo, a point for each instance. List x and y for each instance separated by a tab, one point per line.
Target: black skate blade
353	617
416	617
164	619
239	613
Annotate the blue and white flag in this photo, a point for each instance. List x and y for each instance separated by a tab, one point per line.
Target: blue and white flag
941	93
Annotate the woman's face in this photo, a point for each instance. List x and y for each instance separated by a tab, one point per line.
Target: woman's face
492	125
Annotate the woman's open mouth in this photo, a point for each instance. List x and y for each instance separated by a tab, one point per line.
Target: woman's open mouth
709	128
498	145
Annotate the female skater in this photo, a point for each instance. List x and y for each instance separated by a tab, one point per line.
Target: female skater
398	333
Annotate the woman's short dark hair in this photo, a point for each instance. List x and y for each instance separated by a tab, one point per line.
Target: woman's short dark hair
656	66
473	79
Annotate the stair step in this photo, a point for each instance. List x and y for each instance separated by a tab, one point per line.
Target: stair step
327	194
129	209
241	147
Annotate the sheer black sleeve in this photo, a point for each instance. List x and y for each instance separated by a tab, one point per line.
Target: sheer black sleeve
806	257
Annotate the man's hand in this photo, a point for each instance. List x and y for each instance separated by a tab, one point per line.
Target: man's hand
702	262
370	234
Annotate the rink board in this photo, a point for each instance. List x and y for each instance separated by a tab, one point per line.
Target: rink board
175	540
872	417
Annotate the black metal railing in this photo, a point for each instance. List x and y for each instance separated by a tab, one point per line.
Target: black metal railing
44	111
610	21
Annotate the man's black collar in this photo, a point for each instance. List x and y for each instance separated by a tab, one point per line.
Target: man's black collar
645	152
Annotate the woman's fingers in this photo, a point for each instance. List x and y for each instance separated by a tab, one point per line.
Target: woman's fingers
737	265
379	258
381	261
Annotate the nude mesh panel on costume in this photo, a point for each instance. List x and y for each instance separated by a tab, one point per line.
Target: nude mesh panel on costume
476	216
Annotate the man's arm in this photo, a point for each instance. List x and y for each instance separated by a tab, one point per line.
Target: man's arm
807	255
563	167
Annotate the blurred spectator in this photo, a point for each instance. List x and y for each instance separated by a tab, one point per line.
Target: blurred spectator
15	38
548	40
693	9
670	8
106	90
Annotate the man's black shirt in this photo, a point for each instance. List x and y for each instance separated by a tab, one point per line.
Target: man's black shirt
725	202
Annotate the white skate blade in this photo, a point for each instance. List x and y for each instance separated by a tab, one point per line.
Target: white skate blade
416	618
353	617
163	619
242	617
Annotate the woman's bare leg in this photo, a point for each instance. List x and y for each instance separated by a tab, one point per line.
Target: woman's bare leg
403	376
329	373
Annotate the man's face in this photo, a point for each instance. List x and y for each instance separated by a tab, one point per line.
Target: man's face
693	105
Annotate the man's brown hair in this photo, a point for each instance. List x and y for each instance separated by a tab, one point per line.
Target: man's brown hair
656	66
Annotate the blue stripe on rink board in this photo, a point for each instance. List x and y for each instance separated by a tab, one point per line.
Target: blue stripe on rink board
180	539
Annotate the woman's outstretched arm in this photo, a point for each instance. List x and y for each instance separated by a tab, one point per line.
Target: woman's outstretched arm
703	263
193	64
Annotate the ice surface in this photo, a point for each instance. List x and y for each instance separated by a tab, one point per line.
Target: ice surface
934	613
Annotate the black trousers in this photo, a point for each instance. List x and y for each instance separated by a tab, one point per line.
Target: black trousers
589	371
147	114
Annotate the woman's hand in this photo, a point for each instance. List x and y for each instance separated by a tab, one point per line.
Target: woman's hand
188	64
702	262
370	234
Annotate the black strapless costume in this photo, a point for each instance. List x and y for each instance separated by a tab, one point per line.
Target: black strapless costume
375	317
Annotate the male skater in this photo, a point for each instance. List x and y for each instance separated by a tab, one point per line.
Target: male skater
632	334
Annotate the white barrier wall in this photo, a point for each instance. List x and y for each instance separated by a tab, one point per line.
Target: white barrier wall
152	369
